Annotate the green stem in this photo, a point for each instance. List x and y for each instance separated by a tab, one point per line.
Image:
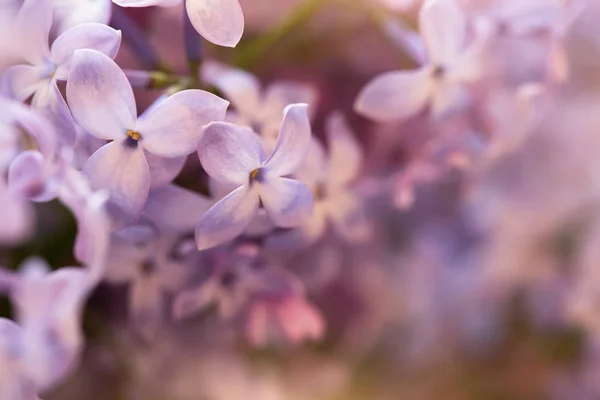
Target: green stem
248	56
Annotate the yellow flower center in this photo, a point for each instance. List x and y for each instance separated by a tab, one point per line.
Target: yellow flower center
133	134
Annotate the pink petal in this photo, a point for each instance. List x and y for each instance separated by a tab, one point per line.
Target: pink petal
123	173
240	87
229	153
444	28
27	175
449	97
163	170
395	95
100	96
345	153
91	36
299	320
227	219
293	141
219	21
288	202
173	127
257	323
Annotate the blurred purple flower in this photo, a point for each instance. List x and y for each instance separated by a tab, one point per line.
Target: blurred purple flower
234	155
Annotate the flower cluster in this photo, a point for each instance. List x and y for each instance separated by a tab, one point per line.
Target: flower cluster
213	199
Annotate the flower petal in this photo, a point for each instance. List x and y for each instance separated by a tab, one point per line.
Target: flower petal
219	21
240	87
444	28
17	218
293	141
100	96
301	237
123	172
21	81
395	95
173	127
312	170
91	36
288	202
50	101
70	13
229	153
146	304
163	170
228	218
33	25
176	209
345	153
348	216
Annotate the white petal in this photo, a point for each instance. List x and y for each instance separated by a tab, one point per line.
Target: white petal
33	28
288	202
123	173
100	96
163	170
395	95
444	28
345	153
91	36
228	218
21	81
176	209
219	21
229	153
49	100
173	127
293	141
240	87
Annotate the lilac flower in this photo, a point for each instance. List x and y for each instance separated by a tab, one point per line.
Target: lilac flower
153	265
70	13
439	83
234	155
14	383
219	21
102	102
330	179
47	65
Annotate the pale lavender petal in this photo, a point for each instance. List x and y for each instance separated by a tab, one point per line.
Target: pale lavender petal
293	141
17	218
100	96
229	153
163	170
91	36
288	202
395	95
444	28
228	218
219	21
191	301
123	173
139	3
345	153
300	238
51	103
279	95
33	26
27	176
176	209
239	86
350	221
449	97
174	126
21	81
70	13
314	168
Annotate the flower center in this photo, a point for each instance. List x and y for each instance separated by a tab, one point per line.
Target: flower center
319	191
438	71
132	139
257	175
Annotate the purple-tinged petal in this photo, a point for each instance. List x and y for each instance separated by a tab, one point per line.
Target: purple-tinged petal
288	202
313	169
293	141
174	126
70	13
345	153
139	3
91	36
395	95
449	97
444	28
17	218
191	301
279	95
303	236
124	260
22	81
33	28
350	221
239	86
175	209
219	21
50	102
123	173
229	153
27	175
100	96
163	170
228	218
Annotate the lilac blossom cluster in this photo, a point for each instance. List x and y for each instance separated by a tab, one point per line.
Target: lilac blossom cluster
275	213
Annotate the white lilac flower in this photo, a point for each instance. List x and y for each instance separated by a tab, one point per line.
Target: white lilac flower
233	155
102	102
255	107
330	178
45	65
440	83
218	21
